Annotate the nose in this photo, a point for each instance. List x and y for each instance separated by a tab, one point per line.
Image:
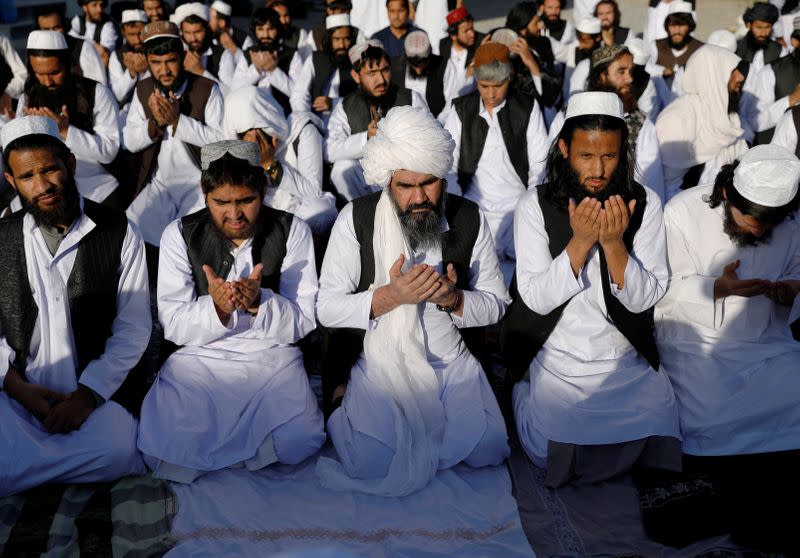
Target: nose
597	169
419	196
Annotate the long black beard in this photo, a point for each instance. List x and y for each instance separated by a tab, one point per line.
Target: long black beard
64	212
577	192
176	85
755	44
681	45
734	99
41	96
740	238
423	231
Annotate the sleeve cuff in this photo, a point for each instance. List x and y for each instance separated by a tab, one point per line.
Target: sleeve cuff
466	318
259	320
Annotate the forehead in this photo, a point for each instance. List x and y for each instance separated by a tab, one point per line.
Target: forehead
188	27
133	27
232	192
340	33
264	25
42	64
20	160
621	61
407	177
168	57
596	140
381	64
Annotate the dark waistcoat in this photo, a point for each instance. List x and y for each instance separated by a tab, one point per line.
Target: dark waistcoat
357	106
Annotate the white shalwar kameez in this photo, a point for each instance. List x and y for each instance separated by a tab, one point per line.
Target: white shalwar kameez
174	189
236	394
786	132
299	196
122	83
369	16
431	17
733	362
20	72
104	447
108	33
93	150
307	155
588	385
91	64
300	100
363	429
344	149
247	74
768	109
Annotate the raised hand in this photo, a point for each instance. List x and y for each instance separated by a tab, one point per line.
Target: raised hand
247	292
446	294
614	219
191	62
729	284
414	286
221	293
322	104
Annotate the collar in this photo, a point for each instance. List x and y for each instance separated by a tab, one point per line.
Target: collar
485	113
80	227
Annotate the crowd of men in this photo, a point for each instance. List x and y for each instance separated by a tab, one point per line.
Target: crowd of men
616	215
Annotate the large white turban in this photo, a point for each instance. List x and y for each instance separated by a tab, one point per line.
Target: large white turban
253	107
408	138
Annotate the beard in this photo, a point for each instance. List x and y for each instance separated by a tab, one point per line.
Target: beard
174	87
421	230
734	99
64	212
54	98
680	45
740	238
758	44
578	192
248	231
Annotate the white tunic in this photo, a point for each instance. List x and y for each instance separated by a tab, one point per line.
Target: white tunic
733	363
91	64
786	132
305	199
10	55
108	34
93	150
247	74
431	17
768	109
303	150
122	82
300	99
369	16
588	385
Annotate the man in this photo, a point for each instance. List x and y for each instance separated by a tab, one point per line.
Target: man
670	55
84	110
577	59
251	115
657	13
700	131
643	87
612	70
292	36
501	144
431	16
422	71
355	119
555	27
219	22
326	74
202	56
85	53
75	319
393	36
591	262
786	132
414	399
13	74
757	46
723	330
458	50
95	24
128	65
236	290
173	114
315	40
156	10
607	11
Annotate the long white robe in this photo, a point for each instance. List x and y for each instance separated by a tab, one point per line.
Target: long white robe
733	362
768	109
298	195
362	429
91	64
236	393
104	448
588	385
307	155
369	16
108	33
786	132
18	69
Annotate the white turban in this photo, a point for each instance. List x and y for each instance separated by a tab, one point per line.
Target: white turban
251	107
408	138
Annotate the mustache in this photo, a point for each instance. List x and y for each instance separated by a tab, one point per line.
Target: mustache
413	206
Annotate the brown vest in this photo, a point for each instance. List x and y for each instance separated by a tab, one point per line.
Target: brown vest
667	59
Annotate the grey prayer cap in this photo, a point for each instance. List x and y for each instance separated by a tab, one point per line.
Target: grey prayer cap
245	150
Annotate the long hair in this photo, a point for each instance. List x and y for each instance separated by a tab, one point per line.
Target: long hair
521	15
73	93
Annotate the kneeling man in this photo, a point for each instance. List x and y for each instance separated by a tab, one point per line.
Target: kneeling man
74	320
405	270
236	289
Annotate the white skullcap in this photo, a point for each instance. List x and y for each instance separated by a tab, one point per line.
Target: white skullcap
417	44
191	9
589	25
505	36
680	7
337	20
252	107
222	8
595	102
640	54
358	49
723	38
408	138
767	175
28	126
133	16
46	40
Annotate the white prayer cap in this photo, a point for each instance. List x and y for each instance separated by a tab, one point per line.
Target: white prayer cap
589	25
595	102
337	20
767	175
245	150
191	9
252	107
222	8
680	7
723	38
46	40
28	126
417	44
505	36
408	138
133	16
640	54
358	49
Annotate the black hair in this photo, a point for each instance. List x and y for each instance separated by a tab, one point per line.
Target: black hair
326	38
680	19
163	45
283	3
521	15
452	30
596	72
723	186
264	15
371	56
49	9
194	19
615	5
232	170
36	141
405	3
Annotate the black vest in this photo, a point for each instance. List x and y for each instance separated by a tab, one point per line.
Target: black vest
206	246
555	28
746	52
284	61
91	288
212	62
323	70
6	74
434	86
357	106
446	46
796	119
98	28
524	331
343	346
239	36
513	119
787	76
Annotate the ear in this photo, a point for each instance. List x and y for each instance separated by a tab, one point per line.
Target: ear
10	180
562	146
355	76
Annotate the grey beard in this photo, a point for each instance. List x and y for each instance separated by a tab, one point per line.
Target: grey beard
424	231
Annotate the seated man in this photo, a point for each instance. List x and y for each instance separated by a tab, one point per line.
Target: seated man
74	320
723	330
591	262
95	24
128	65
355	119
236	289
422	71
405	270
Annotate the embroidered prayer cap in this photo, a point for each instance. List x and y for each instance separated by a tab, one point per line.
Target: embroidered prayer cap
29	126
723	38
589	25
222	8
252	107
767	175
457	16
244	150
679	7
133	16
492	52
337	20
191	9
640	54
505	36
596	103
761	11
417	44
159	30
408	138
607	54
46	40
358	49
